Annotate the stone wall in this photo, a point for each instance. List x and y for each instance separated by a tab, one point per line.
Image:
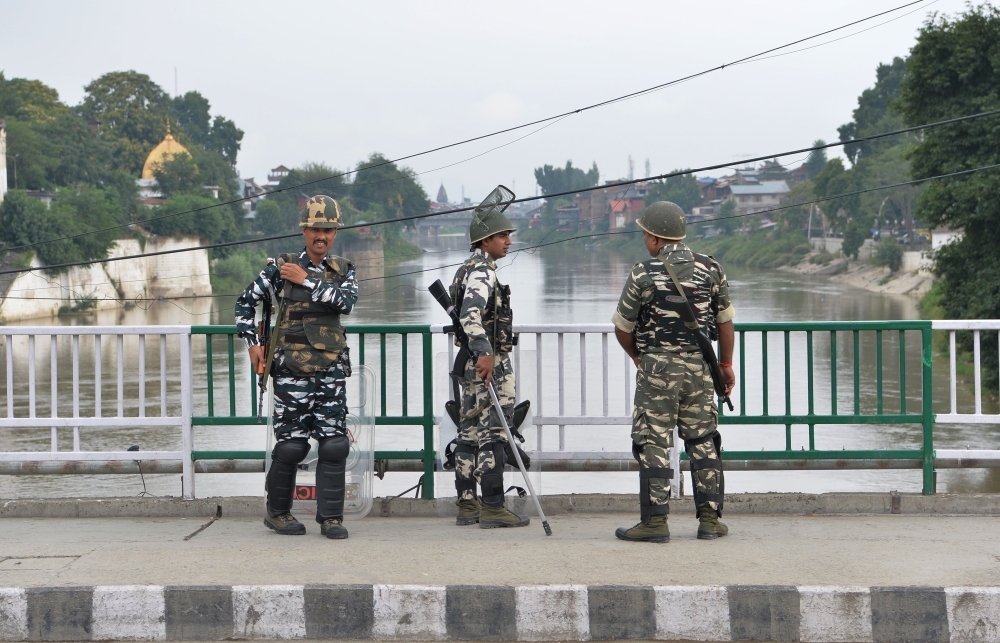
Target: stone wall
35	294
366	253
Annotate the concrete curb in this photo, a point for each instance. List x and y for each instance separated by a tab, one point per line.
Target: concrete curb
502	613
800	504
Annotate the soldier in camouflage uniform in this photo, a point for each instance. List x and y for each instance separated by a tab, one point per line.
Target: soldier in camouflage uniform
309	368
673	383
486	316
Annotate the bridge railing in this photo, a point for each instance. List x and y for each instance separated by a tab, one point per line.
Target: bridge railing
803	377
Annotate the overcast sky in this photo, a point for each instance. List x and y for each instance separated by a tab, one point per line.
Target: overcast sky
333	82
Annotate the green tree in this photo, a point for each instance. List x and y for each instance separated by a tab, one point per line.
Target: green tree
177	175
725	217
270	219
954	70
19	215
875	112
132	113
191	113
214	224
816	161
684	190
553	180
795	217
890	254
387	191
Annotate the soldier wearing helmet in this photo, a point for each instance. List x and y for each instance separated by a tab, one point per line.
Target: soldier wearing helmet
673	382
486	316
309	367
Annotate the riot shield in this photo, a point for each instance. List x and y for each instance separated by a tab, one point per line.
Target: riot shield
359	486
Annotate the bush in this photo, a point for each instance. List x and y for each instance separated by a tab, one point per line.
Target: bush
889	253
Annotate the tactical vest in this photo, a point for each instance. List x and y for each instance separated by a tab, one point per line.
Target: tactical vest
312	338
659	324
498	318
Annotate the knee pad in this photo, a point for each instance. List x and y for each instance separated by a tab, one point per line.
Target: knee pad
701	497
492	480
290	451
646	506
334	449
280	481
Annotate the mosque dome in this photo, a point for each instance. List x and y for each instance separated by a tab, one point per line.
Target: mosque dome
165	151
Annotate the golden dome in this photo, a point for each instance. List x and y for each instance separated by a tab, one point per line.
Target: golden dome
166	150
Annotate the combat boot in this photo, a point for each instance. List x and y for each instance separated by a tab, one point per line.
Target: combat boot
709	527
285	524
468	511
493	517
654	530
333	528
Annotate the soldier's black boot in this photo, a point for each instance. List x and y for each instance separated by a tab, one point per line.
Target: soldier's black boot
331	473
653	530
494	514
280	484
709	527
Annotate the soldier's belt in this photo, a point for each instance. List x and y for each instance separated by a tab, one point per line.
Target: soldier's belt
298	315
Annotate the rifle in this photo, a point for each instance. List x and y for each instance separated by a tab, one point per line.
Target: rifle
269	344
704	343
440	293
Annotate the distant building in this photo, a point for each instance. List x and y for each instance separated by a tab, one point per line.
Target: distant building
568	217
442	195
44	196
275	176
248	190
168	149
762	196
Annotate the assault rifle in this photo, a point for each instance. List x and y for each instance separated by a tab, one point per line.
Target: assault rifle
440	293
704	343
270	340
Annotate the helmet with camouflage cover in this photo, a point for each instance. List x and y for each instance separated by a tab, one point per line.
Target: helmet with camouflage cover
664	219
489	219
320	211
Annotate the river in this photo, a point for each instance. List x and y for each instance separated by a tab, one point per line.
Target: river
553	285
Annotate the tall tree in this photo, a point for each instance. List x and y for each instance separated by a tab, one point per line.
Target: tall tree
553	180
816	160
684	190
954	70
132	113
382	187
875	112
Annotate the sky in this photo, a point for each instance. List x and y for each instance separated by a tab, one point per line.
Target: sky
317	81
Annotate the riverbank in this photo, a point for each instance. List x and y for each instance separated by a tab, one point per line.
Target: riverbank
915	282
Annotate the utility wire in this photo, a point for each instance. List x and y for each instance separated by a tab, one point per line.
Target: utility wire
415	217
550	120
831	197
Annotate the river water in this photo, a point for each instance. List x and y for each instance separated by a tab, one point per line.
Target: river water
553	285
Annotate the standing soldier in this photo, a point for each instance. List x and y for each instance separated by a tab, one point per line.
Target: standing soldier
673	384
310	366
486	316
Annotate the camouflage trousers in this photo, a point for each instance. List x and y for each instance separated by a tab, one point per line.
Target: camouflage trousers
312	406
480	423
675	389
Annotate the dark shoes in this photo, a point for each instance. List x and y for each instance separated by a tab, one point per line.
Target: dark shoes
495	517
709	527
468	512
285	524
333	528
654	530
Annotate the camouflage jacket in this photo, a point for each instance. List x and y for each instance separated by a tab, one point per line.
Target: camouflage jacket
312	322
484	304
648	304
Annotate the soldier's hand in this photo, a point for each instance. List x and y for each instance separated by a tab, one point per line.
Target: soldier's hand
728	378
257	358
484	368
293	273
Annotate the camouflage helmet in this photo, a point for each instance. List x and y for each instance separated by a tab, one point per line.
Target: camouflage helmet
664	219
320	211
489	217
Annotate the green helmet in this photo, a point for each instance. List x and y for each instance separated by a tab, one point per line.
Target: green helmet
489	219
664	219
320	212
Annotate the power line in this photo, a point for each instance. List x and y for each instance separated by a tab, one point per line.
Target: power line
415	217
832	197
550	119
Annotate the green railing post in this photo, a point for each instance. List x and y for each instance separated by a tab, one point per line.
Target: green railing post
927	409
428	369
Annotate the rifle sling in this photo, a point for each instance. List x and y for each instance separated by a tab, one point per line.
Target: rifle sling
680	291
271	345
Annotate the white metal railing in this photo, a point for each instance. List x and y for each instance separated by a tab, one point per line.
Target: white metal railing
977	327
27	416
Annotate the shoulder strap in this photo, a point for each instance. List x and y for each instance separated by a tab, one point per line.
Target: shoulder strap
680	289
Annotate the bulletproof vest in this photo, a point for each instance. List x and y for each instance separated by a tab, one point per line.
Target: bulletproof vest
659	323
498	318
312	337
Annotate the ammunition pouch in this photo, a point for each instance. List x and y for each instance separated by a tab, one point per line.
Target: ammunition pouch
700	497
